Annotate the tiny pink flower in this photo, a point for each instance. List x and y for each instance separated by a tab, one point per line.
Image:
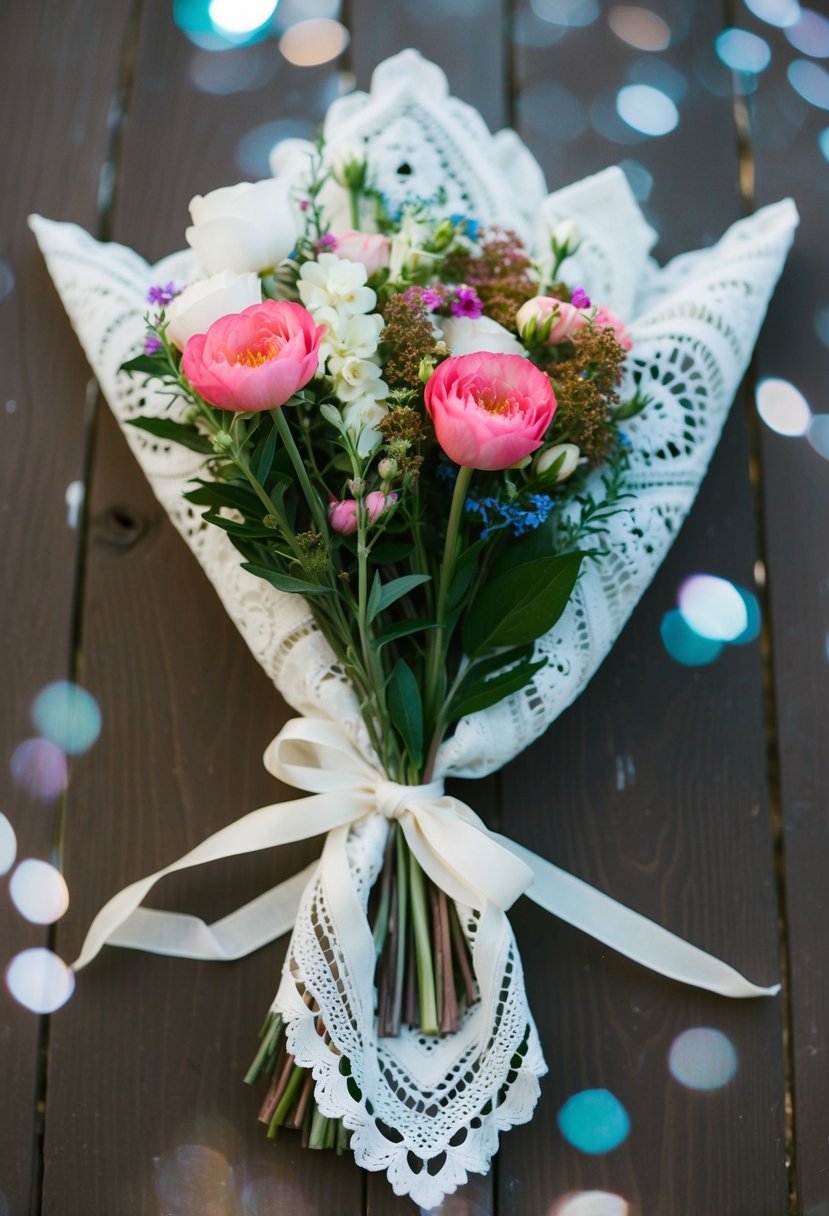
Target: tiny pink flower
342	515
376	503
564	320
370	248
608	320
255	359
489	410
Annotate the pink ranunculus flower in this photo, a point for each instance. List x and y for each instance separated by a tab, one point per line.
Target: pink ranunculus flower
342	515
370	248
489	410
565	320
608	320
255	359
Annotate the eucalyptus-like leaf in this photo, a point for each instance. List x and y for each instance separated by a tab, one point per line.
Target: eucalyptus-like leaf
383	595
406	709
147	365
286	582
490	692
174	432
262	461
402	629
521	604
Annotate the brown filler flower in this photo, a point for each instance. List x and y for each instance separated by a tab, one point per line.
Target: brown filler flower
408	338
500	274
404	430
586	385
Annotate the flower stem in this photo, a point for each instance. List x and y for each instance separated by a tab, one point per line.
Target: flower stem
312	498
423	949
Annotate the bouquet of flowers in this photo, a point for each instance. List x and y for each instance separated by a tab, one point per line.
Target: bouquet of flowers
430	458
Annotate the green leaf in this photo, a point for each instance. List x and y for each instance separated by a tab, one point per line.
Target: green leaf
263	456
224	494
481	668
174	432
521	604
286	582
148	365
406	709
387	551
465	570
331	414
489	692
382	596
246	531
402	629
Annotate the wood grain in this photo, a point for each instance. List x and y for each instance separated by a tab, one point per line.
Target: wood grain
147	1111
46	53
785	153
653	786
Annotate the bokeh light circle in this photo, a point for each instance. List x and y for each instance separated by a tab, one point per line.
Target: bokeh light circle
39	891
639	27
68	716
811	81
8	845
713	607
590	1203
783	407
702	1058
594	1121
310	43
818	434
240	16
810	34
781	13
39	767
684	645
743	51
647	109
39	980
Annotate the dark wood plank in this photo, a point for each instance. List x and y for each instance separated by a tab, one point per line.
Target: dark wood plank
477	67
147	1109
787	160
46	53
653	786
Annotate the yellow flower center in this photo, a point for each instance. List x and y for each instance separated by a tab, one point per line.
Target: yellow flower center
493	404
255	358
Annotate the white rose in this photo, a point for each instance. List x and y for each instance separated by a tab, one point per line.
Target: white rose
203	302
466	335
242	228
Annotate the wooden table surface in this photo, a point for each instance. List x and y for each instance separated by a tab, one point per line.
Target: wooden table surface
696	794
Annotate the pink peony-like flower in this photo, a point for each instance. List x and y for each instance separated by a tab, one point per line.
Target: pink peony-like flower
255	359
376	503
565	320
489	410
608	320
370	248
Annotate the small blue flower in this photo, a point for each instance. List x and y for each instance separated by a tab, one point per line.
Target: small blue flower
521	518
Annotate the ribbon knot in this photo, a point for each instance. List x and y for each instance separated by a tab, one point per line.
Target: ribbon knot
393	799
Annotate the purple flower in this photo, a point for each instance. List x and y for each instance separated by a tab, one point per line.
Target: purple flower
304	204
162	295
152	345
327	243
467	303
431	298
580	298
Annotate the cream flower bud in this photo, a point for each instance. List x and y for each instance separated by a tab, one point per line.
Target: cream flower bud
195	309
567	453
348	166
242	228
566	238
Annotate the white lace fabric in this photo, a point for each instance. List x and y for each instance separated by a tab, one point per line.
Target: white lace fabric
429	1111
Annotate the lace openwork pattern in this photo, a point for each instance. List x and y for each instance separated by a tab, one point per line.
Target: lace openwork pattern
428	1112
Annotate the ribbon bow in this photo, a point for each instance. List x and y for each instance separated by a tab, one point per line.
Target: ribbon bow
474	866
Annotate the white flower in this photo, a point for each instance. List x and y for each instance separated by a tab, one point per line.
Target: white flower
203	302
348	166
355	335
466	335
362	418
407	245
354	378
566	238
567	453
242	228
333	282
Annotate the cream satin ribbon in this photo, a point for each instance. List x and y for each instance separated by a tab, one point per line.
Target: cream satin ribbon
472	865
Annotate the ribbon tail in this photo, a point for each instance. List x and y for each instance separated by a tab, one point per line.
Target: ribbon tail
631	934
239	933
280	823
